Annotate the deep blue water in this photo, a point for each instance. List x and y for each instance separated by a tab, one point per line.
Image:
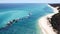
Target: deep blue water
10	11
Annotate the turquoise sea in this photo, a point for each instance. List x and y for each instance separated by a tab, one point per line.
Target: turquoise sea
28	24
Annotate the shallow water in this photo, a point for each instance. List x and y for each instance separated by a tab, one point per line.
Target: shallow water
26	24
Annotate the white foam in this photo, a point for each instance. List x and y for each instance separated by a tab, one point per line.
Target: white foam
54	9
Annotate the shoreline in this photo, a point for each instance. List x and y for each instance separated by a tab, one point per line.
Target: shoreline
44	24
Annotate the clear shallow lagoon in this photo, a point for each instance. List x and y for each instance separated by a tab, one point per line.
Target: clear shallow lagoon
28	25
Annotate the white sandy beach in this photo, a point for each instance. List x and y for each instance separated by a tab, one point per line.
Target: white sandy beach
44	23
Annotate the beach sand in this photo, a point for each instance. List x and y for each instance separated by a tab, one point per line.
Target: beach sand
44	23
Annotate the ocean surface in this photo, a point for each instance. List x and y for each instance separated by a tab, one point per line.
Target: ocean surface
29	13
